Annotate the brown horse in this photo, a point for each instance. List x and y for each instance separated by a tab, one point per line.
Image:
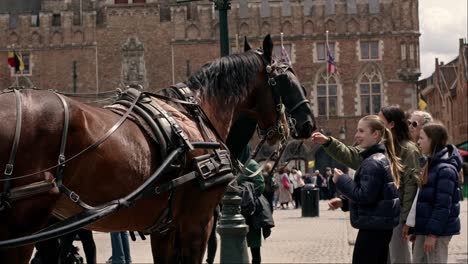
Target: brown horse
225	88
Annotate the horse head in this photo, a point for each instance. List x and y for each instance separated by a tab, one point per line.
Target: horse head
285	89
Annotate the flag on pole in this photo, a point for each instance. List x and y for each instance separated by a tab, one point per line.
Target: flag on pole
15	61
331	62
422	105
285	56
11	59
284	52
19	65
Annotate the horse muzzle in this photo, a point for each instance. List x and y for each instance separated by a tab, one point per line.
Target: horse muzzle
304	130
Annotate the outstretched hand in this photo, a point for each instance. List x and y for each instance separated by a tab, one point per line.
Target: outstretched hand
319	138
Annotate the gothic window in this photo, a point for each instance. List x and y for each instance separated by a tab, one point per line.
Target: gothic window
192	11
369	50
308	7
56	20
13	21
243	9
330	7
411	52
374	6
370	91
286	9
403	51
322	51
327	96
265	9
34	20
351	6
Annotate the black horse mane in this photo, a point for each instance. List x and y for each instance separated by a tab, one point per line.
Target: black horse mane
228	76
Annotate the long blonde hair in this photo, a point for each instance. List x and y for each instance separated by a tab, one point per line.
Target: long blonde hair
376	124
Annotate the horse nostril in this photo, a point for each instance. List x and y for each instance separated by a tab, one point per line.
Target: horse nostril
306	129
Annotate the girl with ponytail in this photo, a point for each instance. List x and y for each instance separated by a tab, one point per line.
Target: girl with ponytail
395	120
372	196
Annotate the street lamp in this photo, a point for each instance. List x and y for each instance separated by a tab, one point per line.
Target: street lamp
342	134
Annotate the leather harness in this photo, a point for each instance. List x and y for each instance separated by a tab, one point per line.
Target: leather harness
172	142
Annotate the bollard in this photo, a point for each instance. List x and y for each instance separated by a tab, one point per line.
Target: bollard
232	228
310	197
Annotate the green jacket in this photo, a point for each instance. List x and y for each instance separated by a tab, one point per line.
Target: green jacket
254	236
409	156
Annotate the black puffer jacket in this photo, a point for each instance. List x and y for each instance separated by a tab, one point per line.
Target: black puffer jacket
373	195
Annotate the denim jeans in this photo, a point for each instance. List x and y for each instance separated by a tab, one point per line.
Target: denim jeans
120	248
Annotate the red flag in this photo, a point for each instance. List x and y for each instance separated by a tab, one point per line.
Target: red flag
285	56
11	59
331	62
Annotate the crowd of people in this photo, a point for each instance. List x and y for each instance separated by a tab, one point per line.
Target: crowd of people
403	196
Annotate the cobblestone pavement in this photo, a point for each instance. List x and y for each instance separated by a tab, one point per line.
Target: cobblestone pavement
295	239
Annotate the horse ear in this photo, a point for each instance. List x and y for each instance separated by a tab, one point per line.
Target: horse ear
246	45
268	48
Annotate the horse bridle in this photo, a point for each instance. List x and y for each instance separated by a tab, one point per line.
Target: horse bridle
276	73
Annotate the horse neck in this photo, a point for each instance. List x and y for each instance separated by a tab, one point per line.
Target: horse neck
221	113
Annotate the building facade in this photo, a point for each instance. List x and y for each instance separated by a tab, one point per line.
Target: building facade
98	45
446	94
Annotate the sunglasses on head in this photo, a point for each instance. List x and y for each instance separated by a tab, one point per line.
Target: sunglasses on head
413	123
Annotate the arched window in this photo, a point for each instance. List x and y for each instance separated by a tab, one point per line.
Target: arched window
371	92
327	95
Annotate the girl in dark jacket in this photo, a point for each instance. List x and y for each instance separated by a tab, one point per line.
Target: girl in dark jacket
437	207
372	197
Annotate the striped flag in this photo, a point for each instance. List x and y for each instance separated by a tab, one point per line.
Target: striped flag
15	61
284	55
331	62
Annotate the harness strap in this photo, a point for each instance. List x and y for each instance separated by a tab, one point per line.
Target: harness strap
175	182
14	149
305	101
74	197
184	92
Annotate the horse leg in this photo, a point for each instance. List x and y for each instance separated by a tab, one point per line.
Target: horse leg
19	255
162	247
23	218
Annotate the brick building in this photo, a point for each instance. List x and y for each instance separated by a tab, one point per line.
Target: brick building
446	94
107	43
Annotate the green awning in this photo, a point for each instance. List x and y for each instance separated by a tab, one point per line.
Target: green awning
463	146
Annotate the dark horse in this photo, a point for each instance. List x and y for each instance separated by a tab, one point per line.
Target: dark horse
225	88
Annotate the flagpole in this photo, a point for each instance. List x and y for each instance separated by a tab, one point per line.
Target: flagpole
326	79
281	39
172	62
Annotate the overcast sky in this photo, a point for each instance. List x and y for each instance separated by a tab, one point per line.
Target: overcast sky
442	23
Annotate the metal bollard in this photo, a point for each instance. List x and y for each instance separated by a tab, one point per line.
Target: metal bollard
232	229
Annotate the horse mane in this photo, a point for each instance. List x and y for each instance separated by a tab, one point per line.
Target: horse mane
227	77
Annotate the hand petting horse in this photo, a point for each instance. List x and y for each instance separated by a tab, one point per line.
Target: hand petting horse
108	163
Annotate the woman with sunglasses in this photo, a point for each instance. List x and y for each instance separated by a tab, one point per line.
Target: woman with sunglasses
417	120
435	214
372	196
